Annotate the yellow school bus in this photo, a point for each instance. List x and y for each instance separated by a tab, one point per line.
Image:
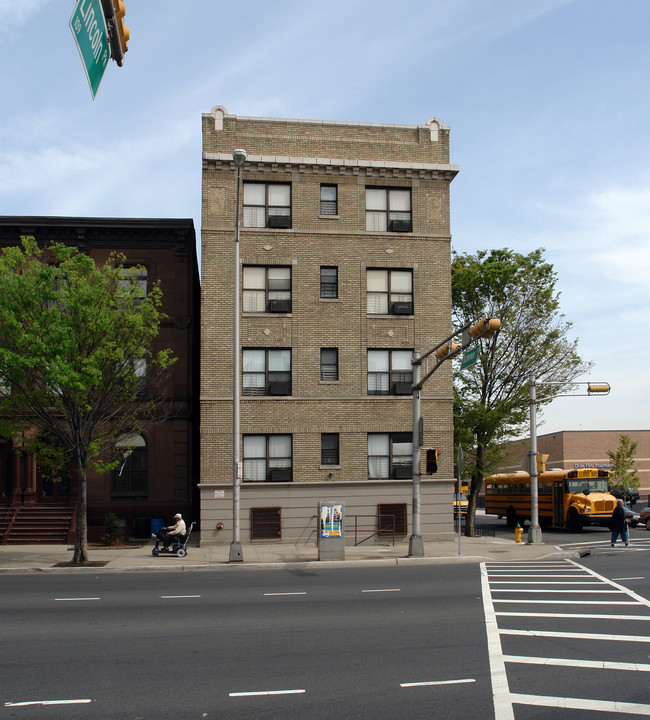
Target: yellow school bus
463	504
566	498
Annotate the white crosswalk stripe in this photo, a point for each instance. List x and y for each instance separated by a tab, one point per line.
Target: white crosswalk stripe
534	630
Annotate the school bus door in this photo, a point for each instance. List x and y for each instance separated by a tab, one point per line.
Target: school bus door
558	503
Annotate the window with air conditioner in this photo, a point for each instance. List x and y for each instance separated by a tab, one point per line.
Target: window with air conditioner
389	292
266	289
390	456
267	458
390	372
266	371
267	205
388	209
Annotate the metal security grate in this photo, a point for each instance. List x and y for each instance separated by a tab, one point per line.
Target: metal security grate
266	523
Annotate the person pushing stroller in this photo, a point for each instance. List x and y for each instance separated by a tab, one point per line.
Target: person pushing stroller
168	534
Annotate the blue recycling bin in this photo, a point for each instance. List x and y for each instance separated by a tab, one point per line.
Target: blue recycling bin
157	524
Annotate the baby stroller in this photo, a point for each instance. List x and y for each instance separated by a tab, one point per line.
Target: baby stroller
179	547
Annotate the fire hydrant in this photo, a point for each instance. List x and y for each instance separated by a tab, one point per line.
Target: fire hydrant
518	531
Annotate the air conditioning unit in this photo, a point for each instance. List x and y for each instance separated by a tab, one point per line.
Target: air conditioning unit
402	388
402	308
279	221
400	225
279	388
403	472
280	475
280	306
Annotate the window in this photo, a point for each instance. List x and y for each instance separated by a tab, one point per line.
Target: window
392	516
134	280
329	364
266	372
329	204
388	209
329	282
267	205
390	372
266	289
130	478
266	523
389	292
390	455
329	449
267	458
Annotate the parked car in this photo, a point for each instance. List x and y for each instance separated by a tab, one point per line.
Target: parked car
630	495
634	518
644	517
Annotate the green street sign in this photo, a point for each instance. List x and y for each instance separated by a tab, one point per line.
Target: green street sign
470	357
88	26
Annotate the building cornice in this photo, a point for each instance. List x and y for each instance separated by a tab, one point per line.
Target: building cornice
333	166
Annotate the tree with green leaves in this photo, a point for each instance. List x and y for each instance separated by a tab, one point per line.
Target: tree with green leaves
75	348
491	397
623	477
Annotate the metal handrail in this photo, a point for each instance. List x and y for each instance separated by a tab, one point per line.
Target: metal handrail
380	531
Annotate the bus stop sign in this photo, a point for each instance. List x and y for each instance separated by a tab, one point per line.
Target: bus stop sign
88	27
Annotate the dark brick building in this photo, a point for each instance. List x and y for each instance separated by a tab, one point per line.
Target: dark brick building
160	476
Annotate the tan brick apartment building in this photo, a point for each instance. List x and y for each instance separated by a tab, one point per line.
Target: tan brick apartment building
344	272
570	449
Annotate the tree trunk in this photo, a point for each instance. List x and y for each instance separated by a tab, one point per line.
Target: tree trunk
80	556
475	489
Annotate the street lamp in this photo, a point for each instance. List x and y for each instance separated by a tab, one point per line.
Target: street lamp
236	554
535	530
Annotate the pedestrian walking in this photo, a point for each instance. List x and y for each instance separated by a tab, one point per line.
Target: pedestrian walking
618	524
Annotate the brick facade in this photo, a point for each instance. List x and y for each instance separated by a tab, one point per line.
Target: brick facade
306	155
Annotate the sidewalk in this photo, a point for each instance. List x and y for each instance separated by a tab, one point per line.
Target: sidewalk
55	558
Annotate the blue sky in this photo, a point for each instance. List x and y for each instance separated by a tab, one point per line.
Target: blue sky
547	101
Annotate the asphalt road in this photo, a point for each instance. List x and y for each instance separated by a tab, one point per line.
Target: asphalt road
547	639
352	643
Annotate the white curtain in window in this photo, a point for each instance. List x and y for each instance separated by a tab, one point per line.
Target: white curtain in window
377	360
253	301
377	303
255	194
400	200
378	383
401	281
376	221
280	448
377	280
279	195
254	217
254	278
402	360
376	199
253	361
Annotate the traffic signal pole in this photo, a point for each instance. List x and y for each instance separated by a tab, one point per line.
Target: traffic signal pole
473	331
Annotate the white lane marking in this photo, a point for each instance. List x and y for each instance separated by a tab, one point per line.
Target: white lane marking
173	597
382	590
563	602
74	599
581	704
639	577
265	692
570	662
622	588
582	616
437	682
577	636
570	572
500	688
280	594
563	583
48	702
556	591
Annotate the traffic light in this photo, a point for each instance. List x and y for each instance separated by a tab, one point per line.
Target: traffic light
449	348
485	327
122	30
432	461
593	388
